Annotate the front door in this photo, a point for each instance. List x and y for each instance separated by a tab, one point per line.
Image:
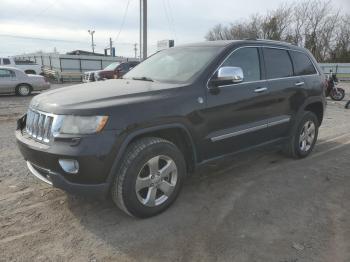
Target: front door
7	81
236	114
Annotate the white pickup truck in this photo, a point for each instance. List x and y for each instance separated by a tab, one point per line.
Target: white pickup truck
27	67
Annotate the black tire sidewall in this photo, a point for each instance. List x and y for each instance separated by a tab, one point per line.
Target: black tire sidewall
129	196
307	116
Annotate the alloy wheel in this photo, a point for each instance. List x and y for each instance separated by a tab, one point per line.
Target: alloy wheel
156	181
307	136
23	90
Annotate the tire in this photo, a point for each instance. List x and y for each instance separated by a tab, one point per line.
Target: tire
347	106
295	147
23	90
339	95
136	189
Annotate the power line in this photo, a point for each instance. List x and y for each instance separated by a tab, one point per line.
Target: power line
123	21
44	10
56	39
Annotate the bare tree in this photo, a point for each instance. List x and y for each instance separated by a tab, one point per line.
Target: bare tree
314	24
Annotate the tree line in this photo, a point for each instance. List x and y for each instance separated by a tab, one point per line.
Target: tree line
314	24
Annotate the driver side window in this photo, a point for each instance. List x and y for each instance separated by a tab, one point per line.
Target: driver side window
246	58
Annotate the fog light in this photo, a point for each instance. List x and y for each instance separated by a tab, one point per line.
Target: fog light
69	165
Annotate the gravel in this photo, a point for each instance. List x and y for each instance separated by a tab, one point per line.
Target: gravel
257	206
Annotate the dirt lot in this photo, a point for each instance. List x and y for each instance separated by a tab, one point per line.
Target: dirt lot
259	206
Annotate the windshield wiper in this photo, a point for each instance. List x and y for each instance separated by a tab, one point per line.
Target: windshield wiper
143	78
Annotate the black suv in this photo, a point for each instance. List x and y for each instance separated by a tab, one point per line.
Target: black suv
138	137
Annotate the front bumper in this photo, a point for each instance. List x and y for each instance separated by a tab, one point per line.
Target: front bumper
57	180
95	155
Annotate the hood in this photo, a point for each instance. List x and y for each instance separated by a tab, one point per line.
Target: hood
99	96
90	72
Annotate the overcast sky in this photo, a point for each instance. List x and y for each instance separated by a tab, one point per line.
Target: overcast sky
32	25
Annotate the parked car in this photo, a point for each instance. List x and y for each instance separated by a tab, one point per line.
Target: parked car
137	138
113	71
14	80
27	67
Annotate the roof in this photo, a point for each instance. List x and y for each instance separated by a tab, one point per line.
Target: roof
82	52
223	43
11	68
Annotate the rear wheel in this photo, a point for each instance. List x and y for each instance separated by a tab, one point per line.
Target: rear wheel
23	90
303	137
149	178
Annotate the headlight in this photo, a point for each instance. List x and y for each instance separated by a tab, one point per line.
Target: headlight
82	125
97	76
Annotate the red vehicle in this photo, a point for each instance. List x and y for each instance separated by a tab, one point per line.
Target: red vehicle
336	93
113	71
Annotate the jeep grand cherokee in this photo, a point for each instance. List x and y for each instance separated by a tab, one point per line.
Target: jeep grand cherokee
137	138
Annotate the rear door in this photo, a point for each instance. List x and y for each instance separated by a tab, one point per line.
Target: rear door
7	81
304	68
284	88
236	115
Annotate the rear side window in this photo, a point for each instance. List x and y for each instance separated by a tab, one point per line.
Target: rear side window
6	61
278	63
246	58
6	73
302	64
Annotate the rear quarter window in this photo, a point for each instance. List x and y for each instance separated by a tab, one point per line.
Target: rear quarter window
302	64
277	63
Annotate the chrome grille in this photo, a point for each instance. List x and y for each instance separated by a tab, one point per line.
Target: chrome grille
89	77
39	125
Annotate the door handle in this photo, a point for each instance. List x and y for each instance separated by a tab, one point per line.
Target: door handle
300	83
260	90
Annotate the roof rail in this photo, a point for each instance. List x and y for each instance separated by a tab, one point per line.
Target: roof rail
268	40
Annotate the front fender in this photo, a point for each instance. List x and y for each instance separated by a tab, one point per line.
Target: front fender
127	136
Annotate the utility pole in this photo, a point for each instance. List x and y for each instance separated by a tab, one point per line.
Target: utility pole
144	29
111	46
135	49
140	40
91	32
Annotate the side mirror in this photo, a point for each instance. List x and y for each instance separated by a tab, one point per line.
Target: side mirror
228	75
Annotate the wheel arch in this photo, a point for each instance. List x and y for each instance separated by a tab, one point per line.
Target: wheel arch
315	105
182	139
317	108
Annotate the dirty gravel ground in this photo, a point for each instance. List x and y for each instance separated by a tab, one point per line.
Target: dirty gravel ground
259	206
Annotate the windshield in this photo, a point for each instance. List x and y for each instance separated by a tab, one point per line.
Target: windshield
112	66
174	64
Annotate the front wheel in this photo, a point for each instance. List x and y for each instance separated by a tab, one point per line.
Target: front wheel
337	94
304	136
149	178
